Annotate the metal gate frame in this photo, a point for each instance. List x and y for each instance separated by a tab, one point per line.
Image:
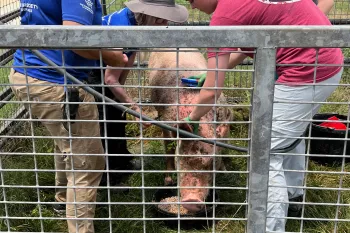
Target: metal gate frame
266	39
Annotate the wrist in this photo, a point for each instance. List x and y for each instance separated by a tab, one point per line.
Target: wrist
192	117
194	125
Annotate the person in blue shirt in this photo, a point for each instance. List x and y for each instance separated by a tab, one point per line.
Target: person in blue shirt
136	13
43	87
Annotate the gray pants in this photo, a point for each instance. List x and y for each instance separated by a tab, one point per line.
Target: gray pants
279	194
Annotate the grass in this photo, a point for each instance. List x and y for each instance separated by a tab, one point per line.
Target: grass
342	94
340	10
149	146
40	178
8	109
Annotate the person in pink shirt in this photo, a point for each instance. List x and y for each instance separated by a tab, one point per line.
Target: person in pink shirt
290	88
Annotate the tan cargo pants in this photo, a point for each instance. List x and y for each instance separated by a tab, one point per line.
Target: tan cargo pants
68	161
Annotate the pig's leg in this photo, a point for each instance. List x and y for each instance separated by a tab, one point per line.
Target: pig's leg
170	163
222	131
222	166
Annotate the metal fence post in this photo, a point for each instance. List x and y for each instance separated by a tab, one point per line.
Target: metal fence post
104	7
265	59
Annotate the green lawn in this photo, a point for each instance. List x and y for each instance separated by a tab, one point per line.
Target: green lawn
151	180
341	10
40	178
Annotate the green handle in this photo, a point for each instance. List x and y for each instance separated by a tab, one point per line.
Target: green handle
194	125
200	77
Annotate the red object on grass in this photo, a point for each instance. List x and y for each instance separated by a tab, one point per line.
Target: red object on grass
334	124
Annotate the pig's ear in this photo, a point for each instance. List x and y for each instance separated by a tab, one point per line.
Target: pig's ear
229	115
224	114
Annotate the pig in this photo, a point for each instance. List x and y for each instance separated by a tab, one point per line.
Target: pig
192	59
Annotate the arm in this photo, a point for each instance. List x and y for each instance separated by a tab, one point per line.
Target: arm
208	96
111	58
325	5
125	73
118	77
236	59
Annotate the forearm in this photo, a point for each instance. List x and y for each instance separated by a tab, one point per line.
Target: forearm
111	79
325	5
124	74
236	59
205	97
111	58
107	56
120	93
214	79
118	77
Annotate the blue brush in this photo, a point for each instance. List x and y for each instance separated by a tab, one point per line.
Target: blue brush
190	82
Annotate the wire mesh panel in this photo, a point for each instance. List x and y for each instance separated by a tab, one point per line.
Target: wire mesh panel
9	12
9	15
8	6
139	201
134	193
316	184
57	158
340	11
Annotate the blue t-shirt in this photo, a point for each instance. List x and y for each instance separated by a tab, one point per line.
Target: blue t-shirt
123	17
54	12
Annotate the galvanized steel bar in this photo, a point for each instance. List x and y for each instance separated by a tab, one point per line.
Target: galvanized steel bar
68	37
206	23
260	139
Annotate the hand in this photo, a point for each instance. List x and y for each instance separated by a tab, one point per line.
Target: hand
189	126
137	109
128	53
200	78
118	59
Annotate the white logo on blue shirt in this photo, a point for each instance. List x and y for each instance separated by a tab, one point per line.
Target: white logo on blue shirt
89	5
110	17
28	7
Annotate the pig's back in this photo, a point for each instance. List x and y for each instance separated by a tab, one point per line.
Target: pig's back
168	60
191	59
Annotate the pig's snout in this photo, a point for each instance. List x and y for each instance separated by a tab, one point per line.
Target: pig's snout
192	207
